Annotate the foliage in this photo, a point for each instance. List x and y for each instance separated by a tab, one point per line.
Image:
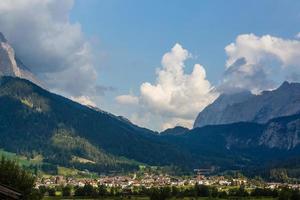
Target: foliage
85	191
102	190
286	193
159	193
11	174
59	130
51	192
46	121
66	191
264	192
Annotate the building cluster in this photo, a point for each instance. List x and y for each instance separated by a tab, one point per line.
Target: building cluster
279	185
151	180
147	180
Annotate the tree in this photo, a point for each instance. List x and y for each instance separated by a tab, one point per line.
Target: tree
102	190
86	191
295	195
12	175
51	192
42	189
238	192
159	193
202	190
264	192
241	192
175	191
279	175
79	191
285	194
66	191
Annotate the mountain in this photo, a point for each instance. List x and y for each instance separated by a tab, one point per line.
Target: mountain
252	133
34	121
247	107
177	130
246	146
10	65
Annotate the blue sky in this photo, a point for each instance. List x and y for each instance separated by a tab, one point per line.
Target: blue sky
158	63
133	35
130	37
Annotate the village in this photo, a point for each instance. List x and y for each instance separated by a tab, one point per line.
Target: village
162	180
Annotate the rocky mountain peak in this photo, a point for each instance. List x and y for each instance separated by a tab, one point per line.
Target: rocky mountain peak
289	85
2	38
246	107
212	113
10	65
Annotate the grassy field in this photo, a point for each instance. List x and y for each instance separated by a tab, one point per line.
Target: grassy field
146	198
22	160
38	160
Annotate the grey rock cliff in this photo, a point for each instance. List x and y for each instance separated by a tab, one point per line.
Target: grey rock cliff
10	65
246	107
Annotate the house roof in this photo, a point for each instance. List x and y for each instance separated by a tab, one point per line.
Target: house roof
9	193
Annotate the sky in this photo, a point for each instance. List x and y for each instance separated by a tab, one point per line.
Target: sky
158	63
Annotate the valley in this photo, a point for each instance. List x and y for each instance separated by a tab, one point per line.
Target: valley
191	100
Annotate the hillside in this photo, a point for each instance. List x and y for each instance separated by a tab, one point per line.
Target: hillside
246	146
35	121
177	130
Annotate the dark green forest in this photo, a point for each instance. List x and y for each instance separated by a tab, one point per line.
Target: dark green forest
35	122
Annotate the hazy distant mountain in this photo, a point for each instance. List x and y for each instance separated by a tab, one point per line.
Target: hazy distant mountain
246	107
177	130
10	65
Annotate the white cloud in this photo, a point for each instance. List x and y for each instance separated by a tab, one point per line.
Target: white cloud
50	44
127	99
259	63
84	100
56	49
176	95
177	122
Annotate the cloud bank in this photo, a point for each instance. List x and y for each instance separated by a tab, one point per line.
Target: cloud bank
57	51
260	63
176	96
84	100
50	45
254	63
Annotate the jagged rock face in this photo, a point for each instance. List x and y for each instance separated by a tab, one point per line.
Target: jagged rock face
246	107
212	114
282	136
10	65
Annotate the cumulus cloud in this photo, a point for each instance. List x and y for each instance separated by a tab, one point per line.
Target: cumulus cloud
84	100
176	96
57	51
259	63
49	44
254	63
127	99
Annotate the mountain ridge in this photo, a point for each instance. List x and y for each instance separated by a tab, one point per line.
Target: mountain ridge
283	101
11	65
237	131
31	117
36	121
